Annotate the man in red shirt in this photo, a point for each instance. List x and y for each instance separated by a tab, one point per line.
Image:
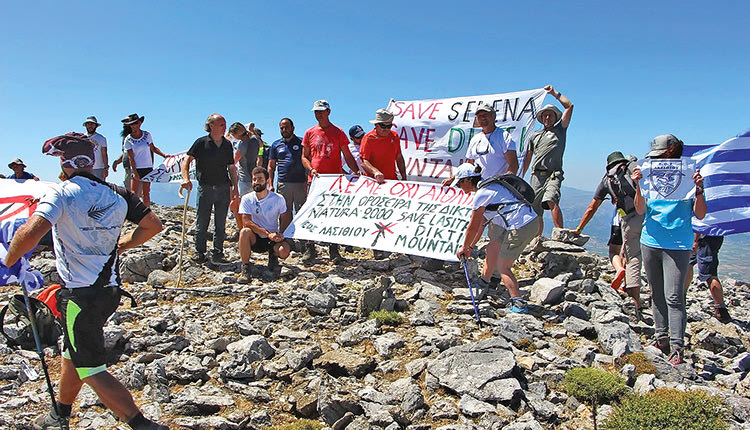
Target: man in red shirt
381	150
322	147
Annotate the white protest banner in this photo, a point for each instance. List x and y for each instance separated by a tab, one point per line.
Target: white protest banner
435	134
169	170
407	217
667	179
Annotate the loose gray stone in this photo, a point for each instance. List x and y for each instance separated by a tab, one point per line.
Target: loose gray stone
547	291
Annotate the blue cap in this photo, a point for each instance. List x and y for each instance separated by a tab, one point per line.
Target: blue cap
356	131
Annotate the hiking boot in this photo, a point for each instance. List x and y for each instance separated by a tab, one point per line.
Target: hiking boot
246	274
662	344
217	258
676	357
198	257
518	305
722	314
151	426
50	421
333	253
480	287
310	253
273	261
496	283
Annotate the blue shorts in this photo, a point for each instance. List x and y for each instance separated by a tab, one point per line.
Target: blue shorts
707	257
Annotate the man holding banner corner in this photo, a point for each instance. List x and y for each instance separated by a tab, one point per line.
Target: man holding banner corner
546	147
322	147
381	150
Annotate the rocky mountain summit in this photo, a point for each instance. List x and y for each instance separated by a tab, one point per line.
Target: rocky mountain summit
214	354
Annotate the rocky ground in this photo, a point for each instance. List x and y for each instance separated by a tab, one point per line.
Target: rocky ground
229	356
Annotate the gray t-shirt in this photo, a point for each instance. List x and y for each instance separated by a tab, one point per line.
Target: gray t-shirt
548	147
249	149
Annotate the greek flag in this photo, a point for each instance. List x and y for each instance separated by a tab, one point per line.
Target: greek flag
726	180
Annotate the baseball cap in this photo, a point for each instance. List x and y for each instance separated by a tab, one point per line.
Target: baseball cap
356	131
466	170
320	105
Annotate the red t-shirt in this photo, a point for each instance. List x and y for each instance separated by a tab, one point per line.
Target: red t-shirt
325	148
381	152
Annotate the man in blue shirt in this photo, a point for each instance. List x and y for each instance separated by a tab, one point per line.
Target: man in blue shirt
286	156
17	167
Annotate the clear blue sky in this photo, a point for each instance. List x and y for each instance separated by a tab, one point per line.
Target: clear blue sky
633	69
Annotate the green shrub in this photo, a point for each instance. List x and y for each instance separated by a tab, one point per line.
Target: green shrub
302	424
386	317
640	361
669	409
594	386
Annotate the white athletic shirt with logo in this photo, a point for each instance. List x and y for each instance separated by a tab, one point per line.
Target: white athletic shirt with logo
489	151
141	150
511	217
264	212
101	143
86	218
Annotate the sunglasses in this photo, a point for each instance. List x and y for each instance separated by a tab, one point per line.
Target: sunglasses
385	126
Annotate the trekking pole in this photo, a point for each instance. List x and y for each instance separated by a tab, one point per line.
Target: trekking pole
38	342
471	292
182	242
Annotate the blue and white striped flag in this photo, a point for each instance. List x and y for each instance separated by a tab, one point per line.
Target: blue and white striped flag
726	179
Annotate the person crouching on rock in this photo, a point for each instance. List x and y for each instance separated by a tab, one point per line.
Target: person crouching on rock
260	211
87	214
513	224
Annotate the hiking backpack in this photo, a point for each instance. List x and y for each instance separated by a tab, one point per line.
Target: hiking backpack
622	188
517	186
16	326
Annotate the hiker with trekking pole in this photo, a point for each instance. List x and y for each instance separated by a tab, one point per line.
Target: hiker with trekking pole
505	203
88	215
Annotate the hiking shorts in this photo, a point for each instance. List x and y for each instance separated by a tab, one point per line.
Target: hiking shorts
707	257
513	242
262	244
546	185
84	313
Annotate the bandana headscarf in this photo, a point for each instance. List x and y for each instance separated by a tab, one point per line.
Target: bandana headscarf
74	149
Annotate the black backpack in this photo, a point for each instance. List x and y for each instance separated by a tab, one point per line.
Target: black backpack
16	326
516	185
621	187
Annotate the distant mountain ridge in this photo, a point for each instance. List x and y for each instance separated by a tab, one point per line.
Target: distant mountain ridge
573	204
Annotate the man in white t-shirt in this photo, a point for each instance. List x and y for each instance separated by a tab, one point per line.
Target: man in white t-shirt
260	211
493	149
101	161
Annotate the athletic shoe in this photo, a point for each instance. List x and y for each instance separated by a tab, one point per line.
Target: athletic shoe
662	344
246	274
676	357
496	283
310	253
722	314
333	253
618	280
198	257
519	306
49	421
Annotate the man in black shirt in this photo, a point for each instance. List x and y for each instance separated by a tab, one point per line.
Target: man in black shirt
217	185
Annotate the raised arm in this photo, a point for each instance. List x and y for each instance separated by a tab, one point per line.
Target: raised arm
699	206
567	104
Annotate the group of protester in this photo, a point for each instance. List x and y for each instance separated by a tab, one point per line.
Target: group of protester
263	187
